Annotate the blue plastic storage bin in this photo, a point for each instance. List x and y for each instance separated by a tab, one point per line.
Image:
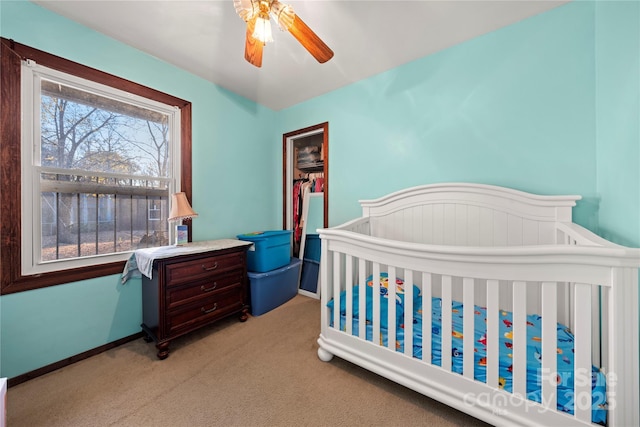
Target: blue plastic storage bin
309	276
312	247
271	250
273	288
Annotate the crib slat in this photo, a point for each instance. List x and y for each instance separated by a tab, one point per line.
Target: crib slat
391	309
375	288
408	312
324	281
519	333
427	311
549	344
622	332
468	336
491	337
349	293
446	323
336	290
362	292
582	358
596	332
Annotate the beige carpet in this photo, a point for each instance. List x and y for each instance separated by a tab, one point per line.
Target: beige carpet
264	372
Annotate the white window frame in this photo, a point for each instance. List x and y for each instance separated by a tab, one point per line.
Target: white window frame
31	75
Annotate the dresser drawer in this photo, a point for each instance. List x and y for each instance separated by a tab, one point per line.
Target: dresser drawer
202	289
179	273
204	311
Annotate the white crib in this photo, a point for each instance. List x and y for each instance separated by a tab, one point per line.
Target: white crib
498	248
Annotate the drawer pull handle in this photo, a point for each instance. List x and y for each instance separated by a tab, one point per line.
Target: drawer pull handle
203	289
215	265
210	310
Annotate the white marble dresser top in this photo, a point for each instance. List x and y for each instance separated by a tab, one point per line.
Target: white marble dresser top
141	261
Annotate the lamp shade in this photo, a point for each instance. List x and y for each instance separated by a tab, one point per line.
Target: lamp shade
180	208
262	29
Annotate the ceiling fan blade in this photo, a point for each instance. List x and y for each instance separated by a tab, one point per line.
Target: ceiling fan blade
253	47
310	40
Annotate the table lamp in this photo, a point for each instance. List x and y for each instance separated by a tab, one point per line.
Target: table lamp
181	209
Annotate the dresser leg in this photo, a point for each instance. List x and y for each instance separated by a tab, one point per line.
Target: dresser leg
163	350
244	314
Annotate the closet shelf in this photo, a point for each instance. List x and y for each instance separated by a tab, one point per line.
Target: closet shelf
311	167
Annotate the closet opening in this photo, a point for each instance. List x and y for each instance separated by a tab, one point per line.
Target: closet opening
305	174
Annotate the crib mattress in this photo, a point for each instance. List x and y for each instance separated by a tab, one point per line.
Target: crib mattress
565	344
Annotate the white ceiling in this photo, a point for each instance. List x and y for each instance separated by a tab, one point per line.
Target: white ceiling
206	38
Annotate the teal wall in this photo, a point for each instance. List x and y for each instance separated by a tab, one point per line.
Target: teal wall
41	327
514	107
541	106
618	120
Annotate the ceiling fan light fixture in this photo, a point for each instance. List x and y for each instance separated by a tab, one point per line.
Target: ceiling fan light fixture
262	30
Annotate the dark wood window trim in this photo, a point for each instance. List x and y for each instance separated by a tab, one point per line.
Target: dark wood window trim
11	279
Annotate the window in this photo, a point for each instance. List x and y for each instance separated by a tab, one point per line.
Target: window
97	160
92	162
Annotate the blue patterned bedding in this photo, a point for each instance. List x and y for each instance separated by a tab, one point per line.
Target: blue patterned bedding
565	362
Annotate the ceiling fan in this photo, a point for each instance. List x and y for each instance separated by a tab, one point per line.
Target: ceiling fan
256	14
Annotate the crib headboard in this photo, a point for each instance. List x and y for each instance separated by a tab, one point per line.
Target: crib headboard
464	214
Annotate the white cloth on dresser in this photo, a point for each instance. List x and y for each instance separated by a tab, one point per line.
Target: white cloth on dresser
141	261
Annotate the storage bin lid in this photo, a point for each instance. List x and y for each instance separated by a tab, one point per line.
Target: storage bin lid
261	235
294	263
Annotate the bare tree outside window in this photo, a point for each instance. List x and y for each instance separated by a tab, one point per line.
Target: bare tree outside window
104	176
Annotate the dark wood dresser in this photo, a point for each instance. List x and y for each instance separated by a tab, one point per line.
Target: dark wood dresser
190	290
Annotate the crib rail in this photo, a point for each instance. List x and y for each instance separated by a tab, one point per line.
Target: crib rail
572	234
593	288
359	225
